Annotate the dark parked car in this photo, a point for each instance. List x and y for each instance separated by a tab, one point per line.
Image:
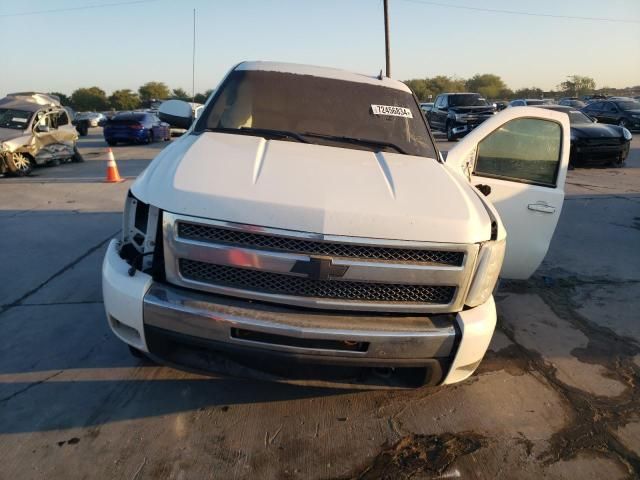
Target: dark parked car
459	113
625	113
501	105
593	98
595	142
426	107
572	102
530	102
135	127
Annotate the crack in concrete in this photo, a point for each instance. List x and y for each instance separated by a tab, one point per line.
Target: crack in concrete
596	418
30	386
417	454
53	304
4	308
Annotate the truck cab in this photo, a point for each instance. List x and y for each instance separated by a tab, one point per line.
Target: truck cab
307	217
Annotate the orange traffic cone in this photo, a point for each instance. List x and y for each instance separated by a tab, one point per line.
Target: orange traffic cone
112	169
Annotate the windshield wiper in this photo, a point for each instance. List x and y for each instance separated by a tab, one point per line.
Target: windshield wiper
361	141
261	132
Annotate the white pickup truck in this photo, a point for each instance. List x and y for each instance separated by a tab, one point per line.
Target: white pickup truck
307	216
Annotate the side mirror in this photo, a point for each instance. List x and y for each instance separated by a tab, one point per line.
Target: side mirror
176	113
42	128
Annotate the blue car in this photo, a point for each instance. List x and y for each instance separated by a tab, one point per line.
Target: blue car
135	127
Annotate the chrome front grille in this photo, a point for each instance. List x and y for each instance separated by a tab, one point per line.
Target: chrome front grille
213	234
316	270
279	284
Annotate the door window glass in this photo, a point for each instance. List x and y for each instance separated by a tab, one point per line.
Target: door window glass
524	150
595	107
610	108
63	119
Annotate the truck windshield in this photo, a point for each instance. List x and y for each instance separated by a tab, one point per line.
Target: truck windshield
16	119
467	100
318	110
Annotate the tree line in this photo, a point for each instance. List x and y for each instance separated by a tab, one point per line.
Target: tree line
493	87
488	85
96	99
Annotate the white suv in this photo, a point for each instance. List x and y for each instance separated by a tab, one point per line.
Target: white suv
308	216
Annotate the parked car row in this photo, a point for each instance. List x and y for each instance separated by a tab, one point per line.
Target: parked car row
600	132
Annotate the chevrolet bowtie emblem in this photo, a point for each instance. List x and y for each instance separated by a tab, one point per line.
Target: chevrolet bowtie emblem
319	268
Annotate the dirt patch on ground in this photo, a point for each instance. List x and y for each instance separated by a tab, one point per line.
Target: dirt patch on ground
420	454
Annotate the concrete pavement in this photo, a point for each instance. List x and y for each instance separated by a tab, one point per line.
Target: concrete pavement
556	396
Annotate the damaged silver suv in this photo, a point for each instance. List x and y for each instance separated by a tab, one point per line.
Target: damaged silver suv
35	130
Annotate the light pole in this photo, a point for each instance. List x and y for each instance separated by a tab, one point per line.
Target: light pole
386	37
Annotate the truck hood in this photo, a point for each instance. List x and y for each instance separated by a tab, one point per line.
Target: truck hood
313	188
597	130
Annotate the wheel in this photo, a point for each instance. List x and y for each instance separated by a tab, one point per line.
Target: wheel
112	143
77	158
149	138
450	136
19	164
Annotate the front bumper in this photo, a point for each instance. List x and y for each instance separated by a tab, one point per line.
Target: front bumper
460	129
584	153
141	311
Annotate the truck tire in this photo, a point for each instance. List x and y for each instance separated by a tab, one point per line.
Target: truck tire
450	136
19	164
83	128
77	158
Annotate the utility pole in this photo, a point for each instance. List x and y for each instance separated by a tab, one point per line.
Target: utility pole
193	61
386	37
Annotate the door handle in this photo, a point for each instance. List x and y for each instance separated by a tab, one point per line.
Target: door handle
541	207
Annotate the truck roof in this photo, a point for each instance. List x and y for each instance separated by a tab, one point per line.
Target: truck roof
325	72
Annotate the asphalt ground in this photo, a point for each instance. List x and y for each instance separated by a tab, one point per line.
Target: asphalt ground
555	397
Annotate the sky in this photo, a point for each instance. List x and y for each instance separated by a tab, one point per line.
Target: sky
126	45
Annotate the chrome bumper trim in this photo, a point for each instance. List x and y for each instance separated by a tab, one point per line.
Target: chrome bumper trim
396	339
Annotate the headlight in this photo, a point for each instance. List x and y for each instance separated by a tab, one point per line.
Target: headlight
489	265
573	137
461	117
627	134
635	116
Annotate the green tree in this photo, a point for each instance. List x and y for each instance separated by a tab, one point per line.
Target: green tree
488	85
64	99
202	97
180	94
153	91
529	92
124	100
577	85
427	88
92	98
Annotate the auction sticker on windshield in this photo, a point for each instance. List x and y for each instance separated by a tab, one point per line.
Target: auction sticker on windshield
391	110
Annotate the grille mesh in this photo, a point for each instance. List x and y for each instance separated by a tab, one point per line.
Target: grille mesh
282	284
207	233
